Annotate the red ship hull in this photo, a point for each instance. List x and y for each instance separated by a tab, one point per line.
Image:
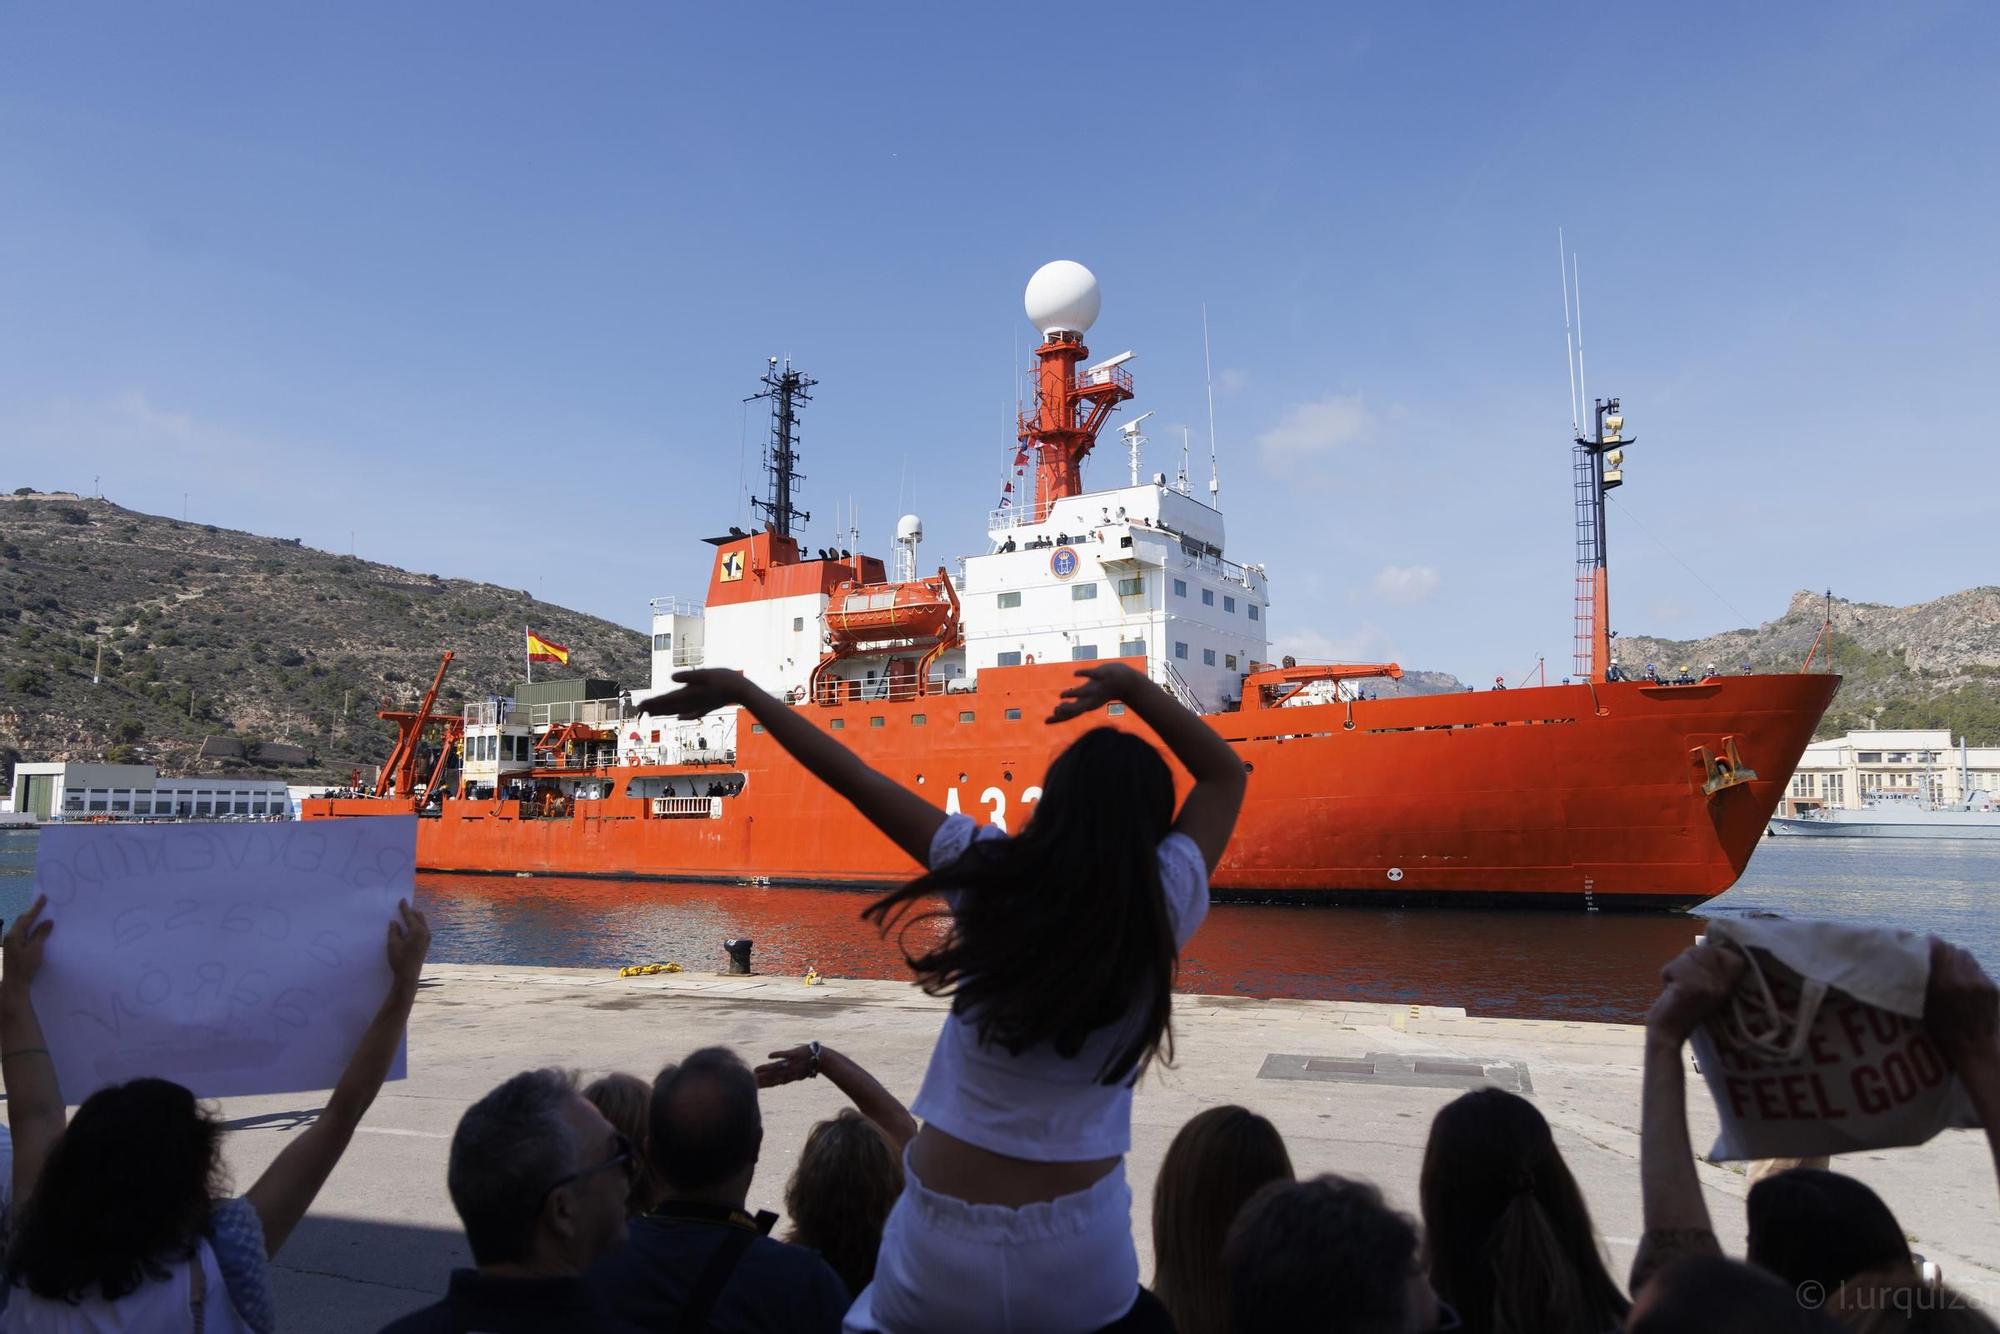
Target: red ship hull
1607	795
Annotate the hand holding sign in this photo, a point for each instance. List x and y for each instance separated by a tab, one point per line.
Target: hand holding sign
1697	982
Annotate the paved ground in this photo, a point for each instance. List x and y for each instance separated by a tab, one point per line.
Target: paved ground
382	1237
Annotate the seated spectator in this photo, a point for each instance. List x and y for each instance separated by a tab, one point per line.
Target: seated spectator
624	1101
1506	1230
851	1169
1220	1158
700	1261
1711	1295
120	1217
1325	1255
1790	1228
539	1180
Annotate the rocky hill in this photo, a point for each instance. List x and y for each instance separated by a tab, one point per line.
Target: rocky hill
1936	664
206	632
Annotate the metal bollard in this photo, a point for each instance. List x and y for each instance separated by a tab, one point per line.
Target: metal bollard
739	955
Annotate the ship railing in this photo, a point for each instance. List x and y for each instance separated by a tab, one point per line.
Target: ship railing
882	688
1176	685
688	808
1117	375
677	607
591	712
689	657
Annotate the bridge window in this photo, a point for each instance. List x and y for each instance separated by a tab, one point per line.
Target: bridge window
1008	600
1011	658
1180	588
1083	592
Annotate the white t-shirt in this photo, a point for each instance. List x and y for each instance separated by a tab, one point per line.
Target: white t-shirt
162	1307
1040	1106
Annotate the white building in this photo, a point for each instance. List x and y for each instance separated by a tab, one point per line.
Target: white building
1905	764
69	790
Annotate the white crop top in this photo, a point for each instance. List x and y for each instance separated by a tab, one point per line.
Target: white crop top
1039	1106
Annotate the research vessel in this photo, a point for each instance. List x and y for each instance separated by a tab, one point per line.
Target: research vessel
1601	792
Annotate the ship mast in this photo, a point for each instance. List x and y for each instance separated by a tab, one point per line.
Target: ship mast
1599	461
1070	406
786	389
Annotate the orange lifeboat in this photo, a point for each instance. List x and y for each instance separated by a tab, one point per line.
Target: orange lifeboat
874	613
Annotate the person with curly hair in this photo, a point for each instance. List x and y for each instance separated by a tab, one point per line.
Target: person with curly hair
122	1216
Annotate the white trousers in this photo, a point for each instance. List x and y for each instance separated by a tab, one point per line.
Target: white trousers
1061	1266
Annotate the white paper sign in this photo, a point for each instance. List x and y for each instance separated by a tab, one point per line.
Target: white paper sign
231	958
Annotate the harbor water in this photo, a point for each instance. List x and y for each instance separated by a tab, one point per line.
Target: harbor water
1525	964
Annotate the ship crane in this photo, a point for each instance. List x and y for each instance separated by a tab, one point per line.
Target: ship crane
398	775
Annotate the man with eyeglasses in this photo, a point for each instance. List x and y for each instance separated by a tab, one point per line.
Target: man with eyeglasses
539	1179
701	1260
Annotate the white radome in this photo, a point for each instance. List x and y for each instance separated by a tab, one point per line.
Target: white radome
1062	297
909	528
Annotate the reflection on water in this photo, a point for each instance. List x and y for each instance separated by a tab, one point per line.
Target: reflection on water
1526	964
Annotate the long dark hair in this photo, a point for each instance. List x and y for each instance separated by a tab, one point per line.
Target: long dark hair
123	1195
1219	1160
1509	1237
840	1195
1062	930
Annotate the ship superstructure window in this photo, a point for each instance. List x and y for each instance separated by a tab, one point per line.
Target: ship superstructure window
1253	611
965	715
1180	649
1131	648
1208	657
1208	597
1013	715
1132	586
1008	600
757	727
838	725
918	720
1011	658
1229	661
877	720
798	623
1229	604
1115	710
662	642
1083	592
1082	652
1180	588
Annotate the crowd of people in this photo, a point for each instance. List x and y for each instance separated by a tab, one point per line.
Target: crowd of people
997	1199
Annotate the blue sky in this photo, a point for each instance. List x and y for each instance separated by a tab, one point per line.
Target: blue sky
484	285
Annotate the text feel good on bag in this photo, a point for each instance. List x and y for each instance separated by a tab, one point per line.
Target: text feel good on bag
1821	1049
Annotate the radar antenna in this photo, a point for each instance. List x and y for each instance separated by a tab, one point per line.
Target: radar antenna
786	389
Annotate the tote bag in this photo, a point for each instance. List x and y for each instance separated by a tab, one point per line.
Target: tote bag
1821	1049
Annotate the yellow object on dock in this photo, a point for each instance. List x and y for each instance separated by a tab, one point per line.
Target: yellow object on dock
648	969
812	976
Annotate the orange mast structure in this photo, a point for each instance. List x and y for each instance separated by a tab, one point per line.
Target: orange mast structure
1070	407
398	777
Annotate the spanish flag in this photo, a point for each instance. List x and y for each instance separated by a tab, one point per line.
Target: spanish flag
545	650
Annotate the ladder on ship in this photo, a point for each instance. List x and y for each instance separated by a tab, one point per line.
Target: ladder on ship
1585	470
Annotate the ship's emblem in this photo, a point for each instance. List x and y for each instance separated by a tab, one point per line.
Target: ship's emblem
1063	562
732	566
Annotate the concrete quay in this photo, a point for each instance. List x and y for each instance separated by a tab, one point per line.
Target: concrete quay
1352	1087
